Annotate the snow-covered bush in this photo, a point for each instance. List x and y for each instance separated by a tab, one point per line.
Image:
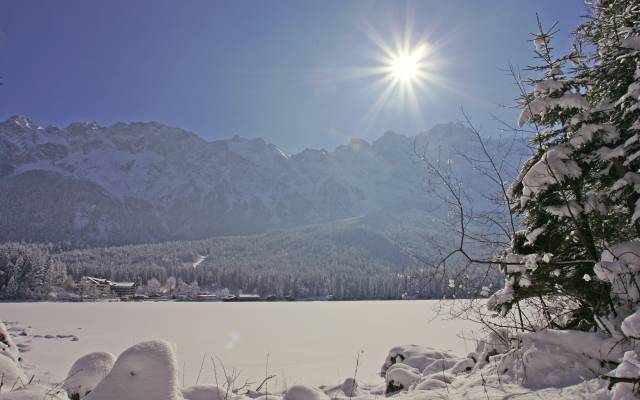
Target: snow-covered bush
556	358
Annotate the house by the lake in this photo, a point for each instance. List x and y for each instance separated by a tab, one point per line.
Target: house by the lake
99	287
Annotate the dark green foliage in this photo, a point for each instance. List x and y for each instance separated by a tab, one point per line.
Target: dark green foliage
582	107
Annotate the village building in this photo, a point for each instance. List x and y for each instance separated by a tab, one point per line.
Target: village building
99	288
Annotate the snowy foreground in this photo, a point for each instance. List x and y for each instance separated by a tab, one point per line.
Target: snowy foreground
307	342
547	365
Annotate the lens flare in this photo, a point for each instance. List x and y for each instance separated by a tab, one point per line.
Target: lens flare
234	338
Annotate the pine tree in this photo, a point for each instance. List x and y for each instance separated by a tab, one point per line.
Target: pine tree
579	193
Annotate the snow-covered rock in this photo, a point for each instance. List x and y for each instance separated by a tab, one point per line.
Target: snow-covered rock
206	392
401	376
413	356
87	372
348	388
146	371
303	392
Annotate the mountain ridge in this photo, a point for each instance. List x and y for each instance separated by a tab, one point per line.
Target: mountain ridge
146	182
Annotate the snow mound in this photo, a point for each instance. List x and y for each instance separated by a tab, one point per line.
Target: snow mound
206	392
401	376
628	368
7	347
268	397
303	392
349	387
412	355
87	372
35	392
146	371
431	384
464	365
12	375
535	358
439	365
547	364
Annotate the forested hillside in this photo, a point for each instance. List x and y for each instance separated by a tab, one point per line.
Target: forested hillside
343	259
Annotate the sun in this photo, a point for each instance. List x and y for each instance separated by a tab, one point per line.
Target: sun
404	68
406	72
407	67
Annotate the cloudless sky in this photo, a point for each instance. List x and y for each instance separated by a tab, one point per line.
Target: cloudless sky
281	70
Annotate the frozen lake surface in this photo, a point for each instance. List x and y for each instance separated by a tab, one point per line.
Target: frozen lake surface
307	342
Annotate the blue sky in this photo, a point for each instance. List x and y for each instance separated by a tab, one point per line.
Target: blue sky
281	70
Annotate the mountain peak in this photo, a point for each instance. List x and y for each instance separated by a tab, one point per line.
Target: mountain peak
20	121
83	125
359	144
445	128
143	181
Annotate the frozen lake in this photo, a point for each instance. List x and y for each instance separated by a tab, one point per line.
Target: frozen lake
307	342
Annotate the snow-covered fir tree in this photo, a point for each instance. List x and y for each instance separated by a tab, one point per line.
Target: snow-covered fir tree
579	193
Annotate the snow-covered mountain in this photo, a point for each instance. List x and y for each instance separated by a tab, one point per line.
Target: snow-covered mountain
144	182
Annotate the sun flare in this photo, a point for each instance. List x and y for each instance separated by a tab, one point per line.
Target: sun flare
407	71
407	66
404	68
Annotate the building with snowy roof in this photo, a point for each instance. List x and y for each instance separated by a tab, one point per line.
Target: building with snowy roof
100	287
